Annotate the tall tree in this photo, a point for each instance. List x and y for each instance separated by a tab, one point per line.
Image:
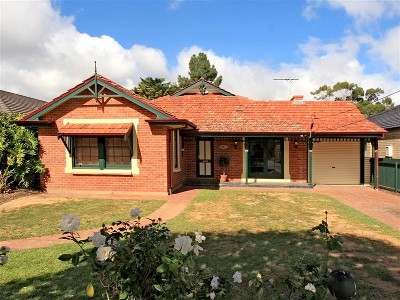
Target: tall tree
200	67
152	88
369	102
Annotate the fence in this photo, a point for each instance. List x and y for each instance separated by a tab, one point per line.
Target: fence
389	174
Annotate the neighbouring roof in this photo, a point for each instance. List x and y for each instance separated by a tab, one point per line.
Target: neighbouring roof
202	87
95	129
236	114
14	103
387	119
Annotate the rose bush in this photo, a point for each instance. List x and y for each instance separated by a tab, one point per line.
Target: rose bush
143	262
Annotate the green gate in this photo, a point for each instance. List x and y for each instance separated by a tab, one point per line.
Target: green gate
389	173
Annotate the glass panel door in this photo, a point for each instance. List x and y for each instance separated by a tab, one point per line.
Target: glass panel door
266	158
204	158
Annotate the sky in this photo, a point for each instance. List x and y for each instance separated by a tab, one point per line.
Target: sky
47	47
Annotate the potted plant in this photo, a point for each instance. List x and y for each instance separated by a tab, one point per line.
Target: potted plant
224	163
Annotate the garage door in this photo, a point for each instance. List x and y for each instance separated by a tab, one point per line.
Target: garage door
336	163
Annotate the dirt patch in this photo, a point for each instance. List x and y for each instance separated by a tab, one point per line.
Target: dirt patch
14	195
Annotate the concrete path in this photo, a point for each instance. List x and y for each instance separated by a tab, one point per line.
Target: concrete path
381	205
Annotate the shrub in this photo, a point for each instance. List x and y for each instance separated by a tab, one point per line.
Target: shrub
19	163
144	262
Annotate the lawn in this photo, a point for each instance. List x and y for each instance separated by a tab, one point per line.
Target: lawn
40	219
247	231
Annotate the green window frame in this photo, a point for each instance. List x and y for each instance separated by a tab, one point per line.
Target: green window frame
111	152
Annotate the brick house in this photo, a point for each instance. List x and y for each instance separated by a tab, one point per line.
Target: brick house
99	135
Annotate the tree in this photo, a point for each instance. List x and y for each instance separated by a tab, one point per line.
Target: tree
19	163
152	88
369	102
200	67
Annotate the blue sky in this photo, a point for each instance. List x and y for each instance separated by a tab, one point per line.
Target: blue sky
250	43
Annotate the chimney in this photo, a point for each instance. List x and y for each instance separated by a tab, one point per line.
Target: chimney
297	97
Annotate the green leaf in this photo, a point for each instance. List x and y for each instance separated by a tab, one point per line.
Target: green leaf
161	269
124	295
65	257
260	293
158	287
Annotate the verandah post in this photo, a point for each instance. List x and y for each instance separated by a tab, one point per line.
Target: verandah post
310	152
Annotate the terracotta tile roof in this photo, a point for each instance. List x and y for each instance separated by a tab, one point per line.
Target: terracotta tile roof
95	129
14	103
388	119
235	114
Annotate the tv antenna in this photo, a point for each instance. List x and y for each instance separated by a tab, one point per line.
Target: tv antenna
290	81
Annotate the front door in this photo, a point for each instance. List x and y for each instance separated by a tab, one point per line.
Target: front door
266	158
205	158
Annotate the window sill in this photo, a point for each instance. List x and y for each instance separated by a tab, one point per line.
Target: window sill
101	172
176	170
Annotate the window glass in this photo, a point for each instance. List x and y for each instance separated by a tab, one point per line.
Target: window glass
86	151
117	151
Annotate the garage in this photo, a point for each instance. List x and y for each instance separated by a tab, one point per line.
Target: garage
336	162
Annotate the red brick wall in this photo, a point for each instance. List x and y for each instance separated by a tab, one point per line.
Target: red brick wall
298	161
235	168
190	157
152	149
177	177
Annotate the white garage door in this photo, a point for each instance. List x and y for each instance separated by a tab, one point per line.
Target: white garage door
336	163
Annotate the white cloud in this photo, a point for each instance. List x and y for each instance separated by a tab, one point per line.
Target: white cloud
388	48
44	55
174	4
362	11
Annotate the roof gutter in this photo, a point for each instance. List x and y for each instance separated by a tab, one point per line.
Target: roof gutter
35	123
173	124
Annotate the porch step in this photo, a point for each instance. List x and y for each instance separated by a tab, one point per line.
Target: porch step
267	184
202	182
215	183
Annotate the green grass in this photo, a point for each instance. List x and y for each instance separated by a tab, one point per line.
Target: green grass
247	231
40	220
38	274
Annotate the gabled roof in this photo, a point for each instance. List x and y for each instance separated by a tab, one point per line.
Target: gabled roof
202	87
14	103
235	114
388	119
88	89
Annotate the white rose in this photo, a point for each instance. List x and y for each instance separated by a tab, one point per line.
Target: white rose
196	249
183	244
214	282
69	223
199	237
310	287
237	277
135	212
97	239
104	252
